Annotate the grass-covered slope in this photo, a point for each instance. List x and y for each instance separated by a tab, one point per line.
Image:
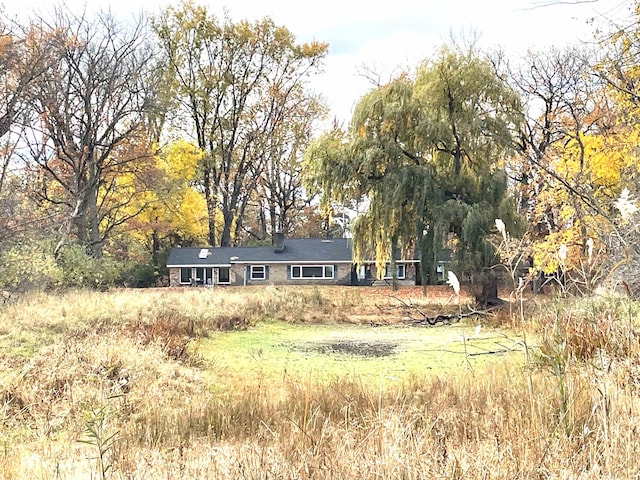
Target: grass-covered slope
314	383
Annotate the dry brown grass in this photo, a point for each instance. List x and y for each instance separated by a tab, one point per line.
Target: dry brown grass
127	362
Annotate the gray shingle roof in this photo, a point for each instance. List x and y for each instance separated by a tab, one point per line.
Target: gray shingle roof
300	250
189	257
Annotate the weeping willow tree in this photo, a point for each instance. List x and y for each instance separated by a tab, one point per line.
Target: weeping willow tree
428	151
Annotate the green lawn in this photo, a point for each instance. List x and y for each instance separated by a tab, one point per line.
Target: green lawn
278	351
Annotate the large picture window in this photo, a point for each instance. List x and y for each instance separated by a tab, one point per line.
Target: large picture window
258	272
312	271
401	270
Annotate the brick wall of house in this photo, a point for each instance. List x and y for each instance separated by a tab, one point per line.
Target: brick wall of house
412	273
174	277
236	274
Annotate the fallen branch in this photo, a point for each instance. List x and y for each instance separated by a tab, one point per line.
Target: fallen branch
494	352
476	354
498	349
423	318
441	318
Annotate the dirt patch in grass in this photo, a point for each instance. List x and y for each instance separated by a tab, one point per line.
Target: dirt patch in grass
358	348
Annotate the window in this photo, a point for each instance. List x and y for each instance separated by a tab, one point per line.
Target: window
364	272
223	275
200	275
185	275
312	271
197	275
401	271
258	272
361	272
208	275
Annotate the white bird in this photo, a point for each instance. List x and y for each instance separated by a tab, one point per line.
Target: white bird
478	328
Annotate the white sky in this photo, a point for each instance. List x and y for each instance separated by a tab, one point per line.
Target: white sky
393	35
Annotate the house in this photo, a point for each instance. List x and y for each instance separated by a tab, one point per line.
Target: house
296	261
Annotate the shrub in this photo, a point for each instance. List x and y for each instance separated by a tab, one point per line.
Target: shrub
82	270
138	276
29	265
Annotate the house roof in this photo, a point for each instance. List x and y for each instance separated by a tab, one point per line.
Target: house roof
296	250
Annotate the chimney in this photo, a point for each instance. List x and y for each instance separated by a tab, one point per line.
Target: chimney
278	242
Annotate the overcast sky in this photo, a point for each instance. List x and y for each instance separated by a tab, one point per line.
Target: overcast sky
392	35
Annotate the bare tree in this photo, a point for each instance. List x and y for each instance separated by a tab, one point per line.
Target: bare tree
88	136
25	54
280	187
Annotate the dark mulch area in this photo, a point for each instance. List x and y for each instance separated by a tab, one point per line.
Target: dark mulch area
358	348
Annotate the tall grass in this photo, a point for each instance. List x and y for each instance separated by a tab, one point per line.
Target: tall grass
110	385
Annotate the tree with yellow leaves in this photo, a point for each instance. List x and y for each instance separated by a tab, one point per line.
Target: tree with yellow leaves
234	85
172	210
577	153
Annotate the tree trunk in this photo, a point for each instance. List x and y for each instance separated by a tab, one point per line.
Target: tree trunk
263	222
225	236
91	211
393	266
69	224
273	218
95	240
3	171
79	221
155	249
211	207
489	295
428	259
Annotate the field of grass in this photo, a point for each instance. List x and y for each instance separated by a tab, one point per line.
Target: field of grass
274	351
319	383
